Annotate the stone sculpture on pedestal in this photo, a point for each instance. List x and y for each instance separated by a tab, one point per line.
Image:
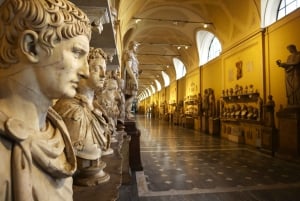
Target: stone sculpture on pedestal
88	129
289	131
43	50
292	76
131	74
107	100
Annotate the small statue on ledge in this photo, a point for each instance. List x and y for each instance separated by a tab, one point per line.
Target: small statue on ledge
237	111
269	112
200	104
245	90
244	111
232	111
250	112
292	75
205	104
256	114
251	89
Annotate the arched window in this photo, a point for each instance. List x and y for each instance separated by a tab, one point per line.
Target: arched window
149	92
152	89
179	68
166	78
209	46
214	49
277	9
286	7
142	96
158	85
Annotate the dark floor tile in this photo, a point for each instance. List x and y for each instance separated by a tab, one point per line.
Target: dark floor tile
186	165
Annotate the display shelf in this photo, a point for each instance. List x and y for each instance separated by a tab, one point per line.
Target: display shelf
251	97
242	118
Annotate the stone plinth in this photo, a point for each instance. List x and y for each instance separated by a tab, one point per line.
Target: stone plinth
289	129
134	145
204	124
108	191
214	126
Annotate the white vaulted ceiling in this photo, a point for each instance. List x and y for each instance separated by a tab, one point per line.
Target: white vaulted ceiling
163	24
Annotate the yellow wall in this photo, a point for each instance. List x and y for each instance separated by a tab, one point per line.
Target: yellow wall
162	96
168	94
258	54
181	88
173	92
192	85
155	99
211	76
250	54
278	36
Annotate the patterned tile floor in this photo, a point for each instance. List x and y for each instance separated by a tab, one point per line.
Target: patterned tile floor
186	165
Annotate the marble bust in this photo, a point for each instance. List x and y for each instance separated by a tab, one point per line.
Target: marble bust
38	64
120	98
108	100
110	95
88	130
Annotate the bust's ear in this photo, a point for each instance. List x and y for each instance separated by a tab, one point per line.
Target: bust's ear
29	45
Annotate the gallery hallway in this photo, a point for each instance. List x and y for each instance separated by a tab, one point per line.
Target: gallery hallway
186	165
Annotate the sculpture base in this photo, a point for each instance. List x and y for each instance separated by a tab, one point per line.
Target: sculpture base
204	124
134	145
289	131
214	126
126	174
90	176
109	151
113	139
108	191
269	140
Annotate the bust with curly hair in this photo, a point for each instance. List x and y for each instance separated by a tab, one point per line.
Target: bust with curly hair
43	55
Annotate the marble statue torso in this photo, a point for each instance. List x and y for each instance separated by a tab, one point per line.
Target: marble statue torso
41	160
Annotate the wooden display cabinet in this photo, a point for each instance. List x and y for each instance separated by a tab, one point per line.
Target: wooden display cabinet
190	111
242	119
191	106
252	133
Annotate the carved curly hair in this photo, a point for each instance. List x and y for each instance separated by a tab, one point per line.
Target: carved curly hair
52	20
97	53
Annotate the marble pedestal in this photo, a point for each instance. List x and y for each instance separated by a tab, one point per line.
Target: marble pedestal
289	132
269	139
214	126
134	145
204	124
108	191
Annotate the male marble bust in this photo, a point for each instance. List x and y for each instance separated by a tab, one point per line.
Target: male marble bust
88	129
43	55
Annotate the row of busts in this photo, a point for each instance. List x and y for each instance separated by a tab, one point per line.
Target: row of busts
191	110
245	112
239	90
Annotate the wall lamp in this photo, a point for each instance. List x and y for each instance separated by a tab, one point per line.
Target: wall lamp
173	21
178	46
154	64
162	55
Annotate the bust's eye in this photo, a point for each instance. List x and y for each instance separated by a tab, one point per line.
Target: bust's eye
78	52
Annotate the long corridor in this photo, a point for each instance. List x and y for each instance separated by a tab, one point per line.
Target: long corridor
185	165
